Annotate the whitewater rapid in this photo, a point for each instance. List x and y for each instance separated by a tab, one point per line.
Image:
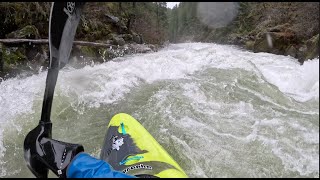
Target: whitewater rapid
218	110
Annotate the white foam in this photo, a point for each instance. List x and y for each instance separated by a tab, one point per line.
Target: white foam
188	122
17	98
299	82
109	82
116	78
192	155
193	91
305	161
2	153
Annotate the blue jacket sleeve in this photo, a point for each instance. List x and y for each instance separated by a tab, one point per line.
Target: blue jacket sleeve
85	166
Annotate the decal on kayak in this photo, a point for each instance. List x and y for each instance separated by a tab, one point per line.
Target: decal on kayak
117	142
139	166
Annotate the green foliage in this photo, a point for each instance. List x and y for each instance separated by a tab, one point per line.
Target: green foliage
16	15
183	21
29	31
151	21
13	56
89	51
244	21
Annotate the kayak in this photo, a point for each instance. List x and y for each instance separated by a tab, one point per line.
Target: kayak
130	148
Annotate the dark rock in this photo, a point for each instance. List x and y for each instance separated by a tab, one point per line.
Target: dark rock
141	39
140	48
154	48
121	28
312	47
301	53
249	45
126	37
291	51
261	44
303	48
112	36
137	38
31	53
118	41
112	19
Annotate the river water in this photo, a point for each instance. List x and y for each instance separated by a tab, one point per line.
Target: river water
218	110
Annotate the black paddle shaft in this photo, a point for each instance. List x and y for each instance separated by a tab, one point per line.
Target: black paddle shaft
64	19
42	153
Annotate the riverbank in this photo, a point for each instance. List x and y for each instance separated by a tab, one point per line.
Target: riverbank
80	57
282	28
125	27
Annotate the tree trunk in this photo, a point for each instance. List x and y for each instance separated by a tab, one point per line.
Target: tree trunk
45	41
120	6
157	28
132	16
129	24
1	60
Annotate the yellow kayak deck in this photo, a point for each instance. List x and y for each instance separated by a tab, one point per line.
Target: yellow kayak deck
130	148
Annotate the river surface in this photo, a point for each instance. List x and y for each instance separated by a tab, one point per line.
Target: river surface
218	110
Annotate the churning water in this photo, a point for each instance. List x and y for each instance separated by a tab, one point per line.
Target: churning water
218	110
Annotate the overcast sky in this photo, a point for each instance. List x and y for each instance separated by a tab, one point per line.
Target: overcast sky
171	4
